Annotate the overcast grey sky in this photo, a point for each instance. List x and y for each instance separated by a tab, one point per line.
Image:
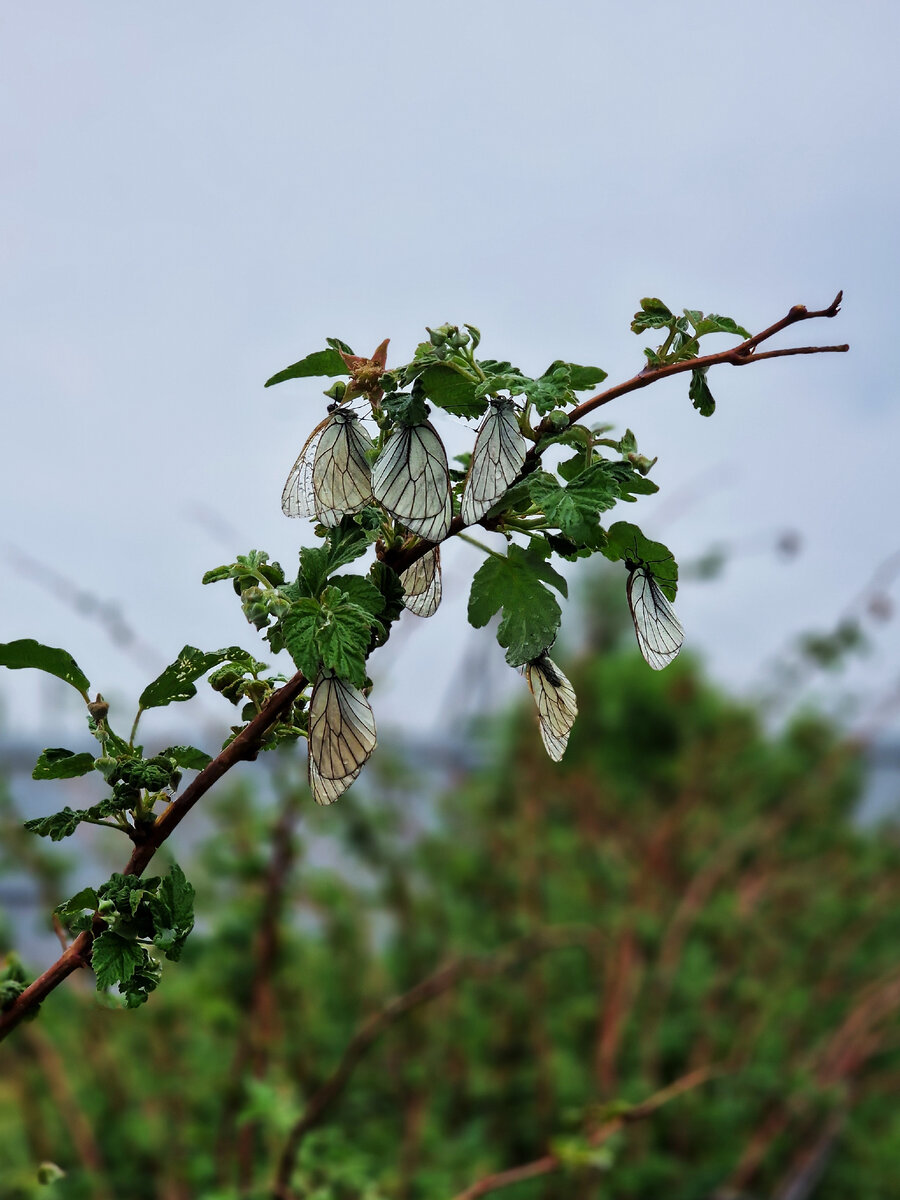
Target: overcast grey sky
195	195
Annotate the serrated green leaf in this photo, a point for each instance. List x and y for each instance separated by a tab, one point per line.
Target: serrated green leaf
653	314
56	763
85	899
333	633
217	574
531	614
388	583
406	408
701	397
26	652
713	323
115	959
452	391
627	542
360	591
176	683
581	379
575	509
57	826
321	362
173	913
188	757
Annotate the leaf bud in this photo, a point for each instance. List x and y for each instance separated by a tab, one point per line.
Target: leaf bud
336	391
557	420
437	336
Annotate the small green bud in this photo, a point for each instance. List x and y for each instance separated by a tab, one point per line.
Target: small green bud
557	420
336	391
437	336
459	339
106	765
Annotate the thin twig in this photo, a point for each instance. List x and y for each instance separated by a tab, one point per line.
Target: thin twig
550	1162
737	356
434	985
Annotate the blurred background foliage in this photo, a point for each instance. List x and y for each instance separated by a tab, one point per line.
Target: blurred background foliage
424	985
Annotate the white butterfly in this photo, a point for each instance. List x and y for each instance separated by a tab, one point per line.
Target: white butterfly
556	704
497	459
422	584
411	480
332	476
659	632
341	736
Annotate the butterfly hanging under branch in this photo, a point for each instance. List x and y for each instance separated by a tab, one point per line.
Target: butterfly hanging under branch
374	473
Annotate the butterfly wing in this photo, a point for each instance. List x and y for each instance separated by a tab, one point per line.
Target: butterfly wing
422	584
497	459
341	736
341	476
411	480
659	632
557	708
298	499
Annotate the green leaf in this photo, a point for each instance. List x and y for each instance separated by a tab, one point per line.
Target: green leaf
321	362
713	323
531	614
75	905
187	756
702	398
173	912
344	543
406	408
360	591
28	653
333	633
625	541
581	379
217	574
452	391
653	314
62	764
575	509
115	959
143	981
57	826
388	583
176	683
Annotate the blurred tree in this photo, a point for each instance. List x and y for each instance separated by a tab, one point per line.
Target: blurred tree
455	993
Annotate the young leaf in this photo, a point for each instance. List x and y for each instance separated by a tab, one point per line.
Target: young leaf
57	826
177	681
581	379
187	756
575	509
85	899
531	614
626	541
28	653
333	633
452	391
653	314
713	323
115	959
173	913
360	591
321	362
702	397
62	764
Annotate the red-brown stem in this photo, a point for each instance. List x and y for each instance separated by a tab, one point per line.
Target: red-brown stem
245	746
550	1162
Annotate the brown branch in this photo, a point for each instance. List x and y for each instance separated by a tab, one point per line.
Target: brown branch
434	985
244	747
738	356
550	1162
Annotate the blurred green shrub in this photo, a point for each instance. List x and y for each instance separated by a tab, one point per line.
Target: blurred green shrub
695	894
